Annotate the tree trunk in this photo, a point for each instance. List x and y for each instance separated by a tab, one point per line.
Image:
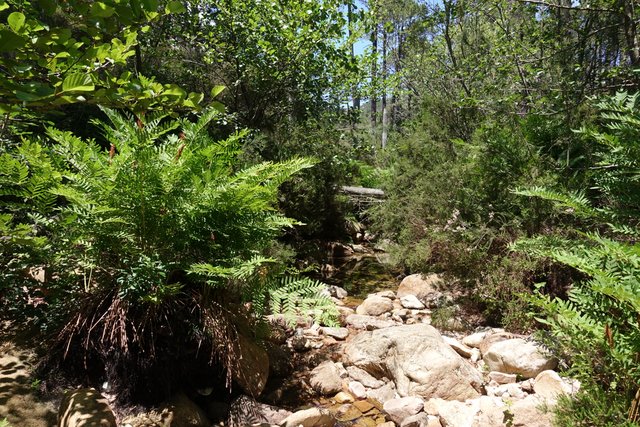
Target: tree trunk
374	78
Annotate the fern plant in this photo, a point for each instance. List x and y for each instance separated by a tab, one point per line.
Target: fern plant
153	244
597	329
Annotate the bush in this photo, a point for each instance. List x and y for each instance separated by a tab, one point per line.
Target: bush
597	330
154	251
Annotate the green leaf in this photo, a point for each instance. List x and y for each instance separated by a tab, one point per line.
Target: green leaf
78	82
3	5
10	41
101	10
175	7
49	6
16	21
150	5
217	90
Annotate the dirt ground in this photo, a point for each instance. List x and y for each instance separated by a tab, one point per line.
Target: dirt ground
20	402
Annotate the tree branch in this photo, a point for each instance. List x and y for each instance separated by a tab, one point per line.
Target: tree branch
560	6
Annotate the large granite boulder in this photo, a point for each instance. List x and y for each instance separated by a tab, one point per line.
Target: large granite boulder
517	356
424	288
253	366
417	359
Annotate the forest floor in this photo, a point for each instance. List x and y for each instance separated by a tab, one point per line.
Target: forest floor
21	402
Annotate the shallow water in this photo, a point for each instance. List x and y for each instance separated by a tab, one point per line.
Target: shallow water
363	274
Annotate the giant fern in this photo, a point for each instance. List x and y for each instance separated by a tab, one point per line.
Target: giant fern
598	328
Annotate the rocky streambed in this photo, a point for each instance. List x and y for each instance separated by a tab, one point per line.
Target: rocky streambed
385	365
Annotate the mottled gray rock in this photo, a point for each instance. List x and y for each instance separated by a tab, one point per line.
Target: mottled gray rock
85	407
375	305
424	288
411	301
402	408
502	378
246	411
364	377
313	417
326	378
337	333
517	356
549	385
383	394
417	359
360	321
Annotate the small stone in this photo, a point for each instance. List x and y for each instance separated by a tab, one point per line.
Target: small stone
337	333
474	340
411	301
399	409
375	305
325	378
337	292
360	321
343	397
386	294
459	348
357	389
313	417
418	420
502	378
383	394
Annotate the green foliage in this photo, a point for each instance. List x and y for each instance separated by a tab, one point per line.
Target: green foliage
596	329
300	296
151	235
75	53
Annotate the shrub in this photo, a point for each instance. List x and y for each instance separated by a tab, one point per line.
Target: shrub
155	250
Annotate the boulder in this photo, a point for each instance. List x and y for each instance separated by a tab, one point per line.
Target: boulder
337	292
424	288
360	321
85	407
549	385
520	357
363	377
402	408
246	411
417	359
481	412
253	366
421	420
185	412
383	394
312	417
493	337
375	305
412	302
326	378
417	420
532	411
